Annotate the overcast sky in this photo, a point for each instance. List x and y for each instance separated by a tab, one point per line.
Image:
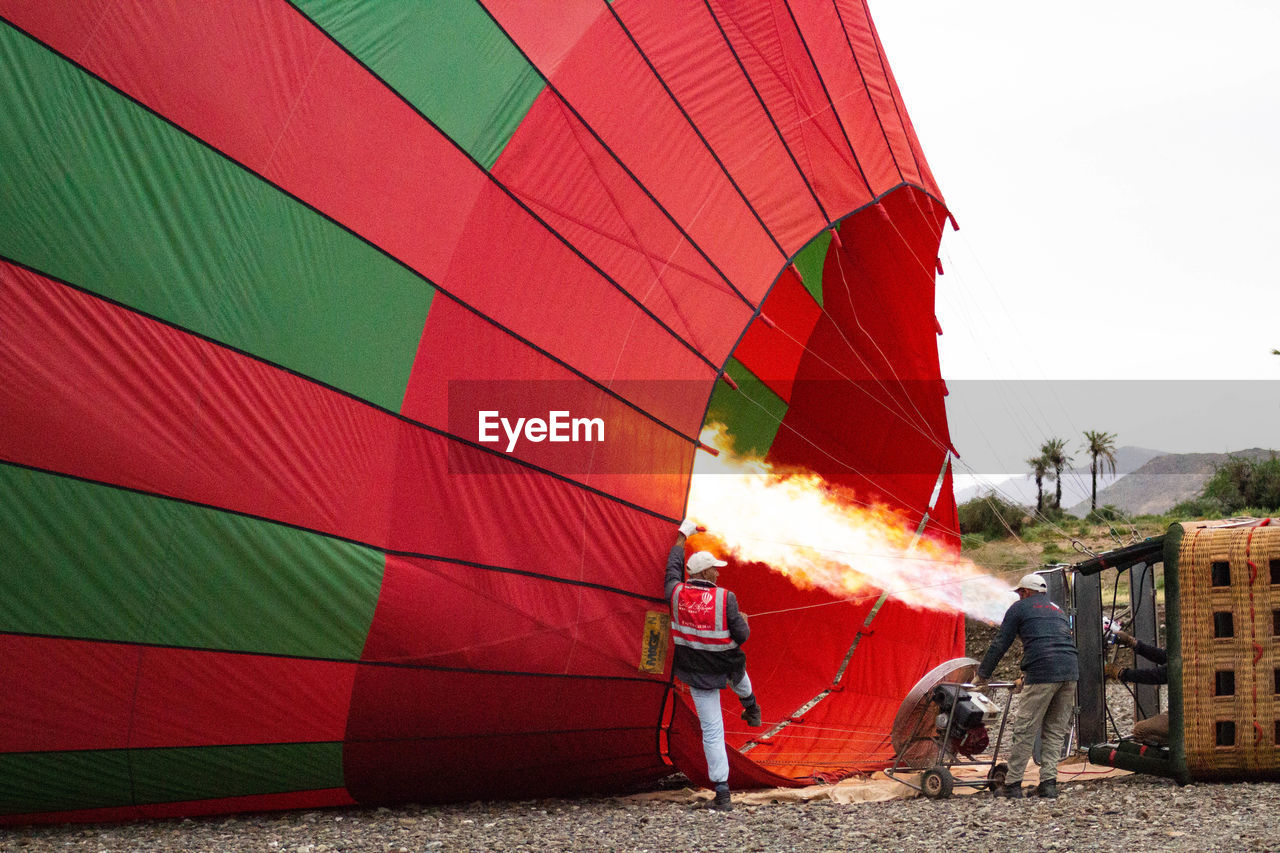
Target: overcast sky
1115	171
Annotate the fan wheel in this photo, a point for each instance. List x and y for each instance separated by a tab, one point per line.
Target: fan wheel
937	783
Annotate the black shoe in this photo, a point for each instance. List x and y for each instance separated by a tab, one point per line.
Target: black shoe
1013	792
722	803
1047	789
751	712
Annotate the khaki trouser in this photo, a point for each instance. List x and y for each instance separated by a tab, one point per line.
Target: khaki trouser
1046	709
1153	729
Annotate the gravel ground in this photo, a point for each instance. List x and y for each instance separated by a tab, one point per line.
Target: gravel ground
1125	814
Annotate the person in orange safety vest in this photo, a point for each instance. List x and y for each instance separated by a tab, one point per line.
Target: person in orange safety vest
709	630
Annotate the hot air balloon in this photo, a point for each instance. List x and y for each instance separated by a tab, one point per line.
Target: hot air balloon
278	282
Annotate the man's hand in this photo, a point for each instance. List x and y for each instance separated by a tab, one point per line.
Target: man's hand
1113	671
688	528
1017	685
1126	639
980	684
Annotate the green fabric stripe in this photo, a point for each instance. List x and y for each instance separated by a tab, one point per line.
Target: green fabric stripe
99	192
446	57
810	260
90	561
61	781
752	414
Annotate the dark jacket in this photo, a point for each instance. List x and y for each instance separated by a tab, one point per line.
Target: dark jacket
1048	652
1148	675
699	668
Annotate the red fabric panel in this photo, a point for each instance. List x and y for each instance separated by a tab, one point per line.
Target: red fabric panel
774	345
944	520
498	734
502	250
719	101
326	798
770	48
198	698
464	365
556	166
637	120
884	92
498	621
65	694
260	83
842	72
508	767
79	694
798	638
225	430
402	701
869	391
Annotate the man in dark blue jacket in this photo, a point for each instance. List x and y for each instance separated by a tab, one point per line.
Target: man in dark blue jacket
1050	668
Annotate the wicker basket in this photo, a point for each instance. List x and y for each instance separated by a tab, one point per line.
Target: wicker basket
1223	611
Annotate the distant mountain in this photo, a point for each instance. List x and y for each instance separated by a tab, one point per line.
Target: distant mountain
1076	482
1164	482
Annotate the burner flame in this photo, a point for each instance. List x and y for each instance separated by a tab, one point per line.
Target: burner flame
819	535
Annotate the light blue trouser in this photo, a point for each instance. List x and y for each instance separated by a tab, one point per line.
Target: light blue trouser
1043	708
707	704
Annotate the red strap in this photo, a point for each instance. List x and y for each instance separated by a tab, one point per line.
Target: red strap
1257	653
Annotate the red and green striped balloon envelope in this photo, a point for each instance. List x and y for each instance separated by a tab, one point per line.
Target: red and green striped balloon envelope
278	278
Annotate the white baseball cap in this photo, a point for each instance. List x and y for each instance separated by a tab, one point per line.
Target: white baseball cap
1033	582
700	561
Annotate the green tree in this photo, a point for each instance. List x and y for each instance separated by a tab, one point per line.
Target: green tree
1240	484
990	517
1055	453
1099	446
1039	468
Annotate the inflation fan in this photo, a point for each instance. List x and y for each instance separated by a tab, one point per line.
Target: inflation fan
942	724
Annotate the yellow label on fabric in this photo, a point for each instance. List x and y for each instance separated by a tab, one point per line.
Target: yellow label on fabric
653	643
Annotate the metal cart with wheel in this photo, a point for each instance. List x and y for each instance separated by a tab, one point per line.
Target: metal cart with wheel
941	724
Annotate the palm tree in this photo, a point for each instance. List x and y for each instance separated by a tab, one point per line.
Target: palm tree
1101	445
1039	467
1055	453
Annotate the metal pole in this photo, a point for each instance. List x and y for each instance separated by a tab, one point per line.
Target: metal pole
1090	691
1145	627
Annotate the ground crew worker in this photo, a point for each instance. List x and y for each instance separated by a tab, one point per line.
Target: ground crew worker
1050	667
709	632
1154	729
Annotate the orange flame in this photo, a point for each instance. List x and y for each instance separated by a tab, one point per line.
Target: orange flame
817	535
